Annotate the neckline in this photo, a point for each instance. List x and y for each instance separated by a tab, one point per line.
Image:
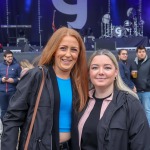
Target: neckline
63	79
101	98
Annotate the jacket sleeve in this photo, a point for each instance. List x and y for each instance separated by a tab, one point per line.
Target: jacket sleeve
16	113
16	80
128	82
139	132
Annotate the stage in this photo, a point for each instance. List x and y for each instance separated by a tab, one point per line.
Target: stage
115	43
30	52
32	56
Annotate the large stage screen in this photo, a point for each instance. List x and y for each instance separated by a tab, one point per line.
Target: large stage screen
36	19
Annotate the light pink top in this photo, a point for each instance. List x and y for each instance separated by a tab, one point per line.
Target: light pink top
88	110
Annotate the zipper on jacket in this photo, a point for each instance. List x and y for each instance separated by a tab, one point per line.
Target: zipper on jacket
7	77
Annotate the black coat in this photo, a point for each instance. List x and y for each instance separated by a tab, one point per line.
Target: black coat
142	82
124	125
21	109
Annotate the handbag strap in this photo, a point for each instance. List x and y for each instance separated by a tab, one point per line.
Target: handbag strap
35	110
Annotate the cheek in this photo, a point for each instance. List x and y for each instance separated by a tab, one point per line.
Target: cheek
92	75
75	57
56	59
91	79
111	75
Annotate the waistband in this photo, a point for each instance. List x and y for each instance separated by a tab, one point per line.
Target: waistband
65	145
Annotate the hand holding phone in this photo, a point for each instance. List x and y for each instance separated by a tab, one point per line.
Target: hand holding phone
6	78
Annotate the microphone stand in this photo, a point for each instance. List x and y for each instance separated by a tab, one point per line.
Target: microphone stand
39	20
7	20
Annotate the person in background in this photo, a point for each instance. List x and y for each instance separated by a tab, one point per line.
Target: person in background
1	48
140	71
9	74
64	95
113	119
125	68
26	66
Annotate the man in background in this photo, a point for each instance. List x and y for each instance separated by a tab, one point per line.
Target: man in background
9	77
140	71
124	68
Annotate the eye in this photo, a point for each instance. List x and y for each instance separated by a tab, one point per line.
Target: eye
108	68
63	48
94	68
74	50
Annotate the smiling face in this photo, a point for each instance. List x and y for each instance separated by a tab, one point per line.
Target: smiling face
8	58
102	72
66	56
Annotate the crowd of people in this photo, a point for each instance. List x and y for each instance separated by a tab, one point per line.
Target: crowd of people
100	105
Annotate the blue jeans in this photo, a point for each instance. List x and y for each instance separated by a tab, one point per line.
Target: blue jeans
145	100
4	101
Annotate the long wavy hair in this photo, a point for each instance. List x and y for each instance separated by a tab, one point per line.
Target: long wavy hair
26	64
118	83
79	73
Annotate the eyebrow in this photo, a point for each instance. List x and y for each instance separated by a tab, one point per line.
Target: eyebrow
71	46
98	64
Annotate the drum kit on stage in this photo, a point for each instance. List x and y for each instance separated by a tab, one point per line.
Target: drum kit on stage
131	27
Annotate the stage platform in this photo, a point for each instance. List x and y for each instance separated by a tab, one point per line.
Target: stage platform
114	43
31	52
32	56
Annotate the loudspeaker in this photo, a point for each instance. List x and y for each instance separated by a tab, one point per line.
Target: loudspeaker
21	42
89	42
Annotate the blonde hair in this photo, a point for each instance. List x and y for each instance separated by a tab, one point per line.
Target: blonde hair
26	64
79	72
118	83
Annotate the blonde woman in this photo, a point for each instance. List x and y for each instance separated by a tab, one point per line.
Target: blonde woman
114	118
25	65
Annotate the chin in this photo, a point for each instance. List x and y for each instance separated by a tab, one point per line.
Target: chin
66	69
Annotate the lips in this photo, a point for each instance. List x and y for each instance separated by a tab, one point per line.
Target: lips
66	61
100	79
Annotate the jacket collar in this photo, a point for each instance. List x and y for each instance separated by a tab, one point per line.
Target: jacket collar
117	100
136	59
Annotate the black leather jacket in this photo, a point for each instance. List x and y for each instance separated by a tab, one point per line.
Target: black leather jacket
142	82
124	125
21	109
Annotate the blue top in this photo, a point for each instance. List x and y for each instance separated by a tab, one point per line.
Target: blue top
65	112
125	74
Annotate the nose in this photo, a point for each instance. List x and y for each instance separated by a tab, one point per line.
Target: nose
68	52
100	71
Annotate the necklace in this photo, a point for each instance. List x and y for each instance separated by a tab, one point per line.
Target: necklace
101	98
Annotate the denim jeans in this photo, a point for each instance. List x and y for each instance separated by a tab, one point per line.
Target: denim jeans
4	101
145	100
